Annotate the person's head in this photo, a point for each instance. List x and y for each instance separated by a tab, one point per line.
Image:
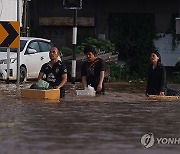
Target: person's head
90	52
54	53
155	57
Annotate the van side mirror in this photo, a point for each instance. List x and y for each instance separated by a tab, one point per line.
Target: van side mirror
31	51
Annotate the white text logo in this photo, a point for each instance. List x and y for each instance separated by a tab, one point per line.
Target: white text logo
148	140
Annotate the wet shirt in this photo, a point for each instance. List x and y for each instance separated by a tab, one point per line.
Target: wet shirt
54	74
92	72
156	80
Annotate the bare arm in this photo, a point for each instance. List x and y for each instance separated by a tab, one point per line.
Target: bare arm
40	76
63	82
100	81
84	82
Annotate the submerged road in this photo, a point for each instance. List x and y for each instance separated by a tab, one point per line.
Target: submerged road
113	123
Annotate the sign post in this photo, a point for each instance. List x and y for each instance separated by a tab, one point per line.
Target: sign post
8	65
74	42
9	38
18	51
74	5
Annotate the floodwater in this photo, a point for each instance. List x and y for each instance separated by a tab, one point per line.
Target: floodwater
109	124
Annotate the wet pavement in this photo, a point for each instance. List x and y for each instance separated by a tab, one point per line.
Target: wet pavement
110	124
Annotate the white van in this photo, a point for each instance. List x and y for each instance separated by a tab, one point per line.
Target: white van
170	57
33	53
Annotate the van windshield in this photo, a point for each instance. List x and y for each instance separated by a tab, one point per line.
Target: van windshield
22	45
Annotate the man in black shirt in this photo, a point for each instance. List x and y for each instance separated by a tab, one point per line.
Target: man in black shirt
55	71
92	70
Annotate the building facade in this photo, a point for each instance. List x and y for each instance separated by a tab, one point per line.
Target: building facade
50	20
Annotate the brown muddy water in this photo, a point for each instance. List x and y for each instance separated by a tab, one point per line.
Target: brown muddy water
109	124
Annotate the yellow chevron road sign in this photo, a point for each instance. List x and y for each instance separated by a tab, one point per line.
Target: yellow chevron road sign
9	34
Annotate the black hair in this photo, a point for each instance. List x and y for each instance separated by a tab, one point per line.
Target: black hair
158	55
90	48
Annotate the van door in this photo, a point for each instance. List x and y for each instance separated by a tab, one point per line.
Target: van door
36	59
45	47
33	59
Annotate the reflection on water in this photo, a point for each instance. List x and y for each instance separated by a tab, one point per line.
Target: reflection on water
113	123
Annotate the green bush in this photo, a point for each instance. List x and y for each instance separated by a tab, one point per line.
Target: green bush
100	44
118	72
134	34
66	51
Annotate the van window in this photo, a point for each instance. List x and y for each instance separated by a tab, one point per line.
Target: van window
34	45
45	47
22	44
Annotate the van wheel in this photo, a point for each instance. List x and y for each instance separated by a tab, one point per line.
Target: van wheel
23	74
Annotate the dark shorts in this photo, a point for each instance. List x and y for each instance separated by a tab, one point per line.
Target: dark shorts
62	92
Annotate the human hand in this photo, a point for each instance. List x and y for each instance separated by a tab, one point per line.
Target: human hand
146	94
162	93
99	87
57	87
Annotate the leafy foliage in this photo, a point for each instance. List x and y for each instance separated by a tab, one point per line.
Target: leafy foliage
118	73
66	51
100	44
133	35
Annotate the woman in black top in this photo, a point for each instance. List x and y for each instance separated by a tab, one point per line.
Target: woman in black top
156	84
